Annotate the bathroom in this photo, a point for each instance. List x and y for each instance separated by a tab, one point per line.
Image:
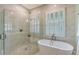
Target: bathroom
24	27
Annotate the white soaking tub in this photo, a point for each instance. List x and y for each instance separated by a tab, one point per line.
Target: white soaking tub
48	47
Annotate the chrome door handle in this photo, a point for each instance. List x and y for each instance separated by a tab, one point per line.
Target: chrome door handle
2	36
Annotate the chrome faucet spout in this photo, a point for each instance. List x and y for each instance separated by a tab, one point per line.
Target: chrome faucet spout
53	37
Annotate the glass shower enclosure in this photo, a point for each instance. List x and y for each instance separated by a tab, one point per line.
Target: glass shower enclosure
14	34
2	33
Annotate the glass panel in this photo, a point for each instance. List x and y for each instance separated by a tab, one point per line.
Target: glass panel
34	24
15	29
1	32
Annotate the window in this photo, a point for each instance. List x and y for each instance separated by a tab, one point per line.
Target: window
55	23
34	24
8	27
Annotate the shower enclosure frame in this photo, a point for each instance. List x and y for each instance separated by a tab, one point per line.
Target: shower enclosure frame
2	35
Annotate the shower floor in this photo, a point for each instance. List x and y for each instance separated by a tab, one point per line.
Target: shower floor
25	50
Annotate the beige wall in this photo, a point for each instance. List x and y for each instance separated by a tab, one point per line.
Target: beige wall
70	30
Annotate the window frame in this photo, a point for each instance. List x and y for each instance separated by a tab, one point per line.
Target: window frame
50	12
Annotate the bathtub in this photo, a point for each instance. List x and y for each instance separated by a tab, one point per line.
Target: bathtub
48	47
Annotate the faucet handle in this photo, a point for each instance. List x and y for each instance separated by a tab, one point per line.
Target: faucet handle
53	37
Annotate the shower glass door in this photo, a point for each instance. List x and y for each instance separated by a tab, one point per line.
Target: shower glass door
13	34
16	33
1	33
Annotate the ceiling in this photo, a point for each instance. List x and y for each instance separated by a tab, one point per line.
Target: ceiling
31	6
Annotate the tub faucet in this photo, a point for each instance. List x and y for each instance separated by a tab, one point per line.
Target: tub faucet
53	37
